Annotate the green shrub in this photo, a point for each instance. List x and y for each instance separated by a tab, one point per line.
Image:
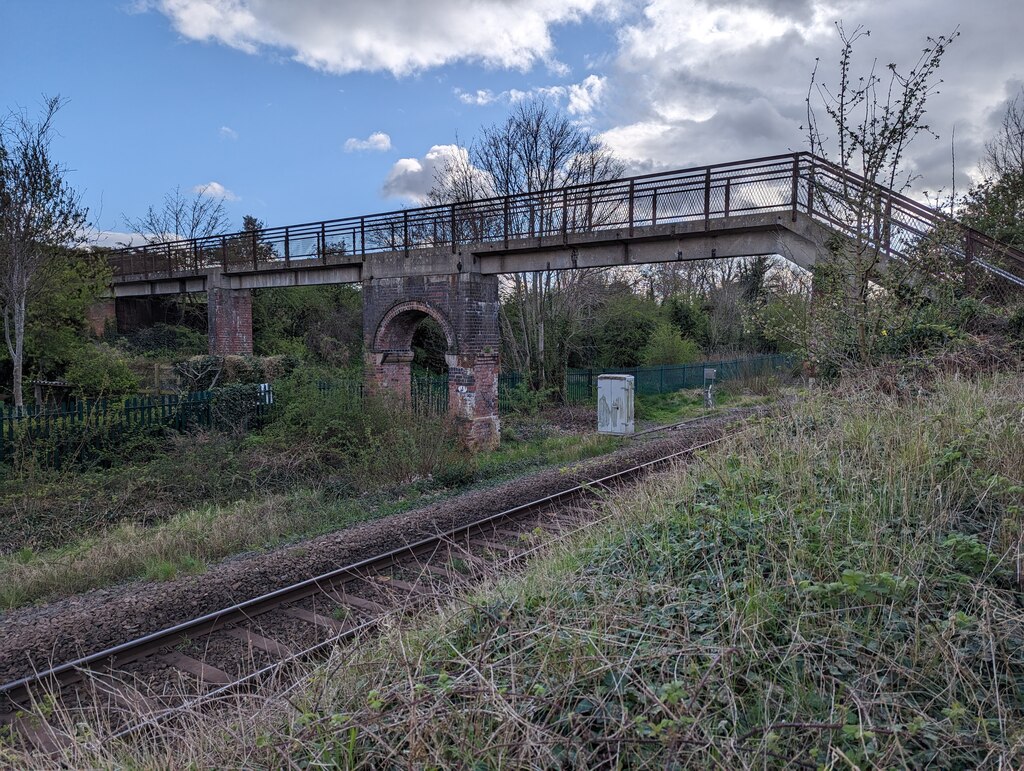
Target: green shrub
235	408
201	373
373	441
100	370
1016	326
667	346
166	341
525	400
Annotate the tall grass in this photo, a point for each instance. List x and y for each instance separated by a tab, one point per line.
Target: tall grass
839	588
381	462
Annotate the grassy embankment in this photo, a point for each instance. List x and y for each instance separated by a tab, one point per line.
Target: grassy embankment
838	587
212	496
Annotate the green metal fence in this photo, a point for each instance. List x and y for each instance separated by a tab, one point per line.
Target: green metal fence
57	433
507	383
581	384
430	393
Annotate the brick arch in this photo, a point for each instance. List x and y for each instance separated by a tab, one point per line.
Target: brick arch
466	307
395	330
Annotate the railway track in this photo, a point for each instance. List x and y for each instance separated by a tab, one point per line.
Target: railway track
153	677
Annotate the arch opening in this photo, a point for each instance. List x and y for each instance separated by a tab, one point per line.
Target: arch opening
414	344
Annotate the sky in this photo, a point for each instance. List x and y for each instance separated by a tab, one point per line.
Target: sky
301	110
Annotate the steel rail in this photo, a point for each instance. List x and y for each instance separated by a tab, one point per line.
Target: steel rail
70	672
163	715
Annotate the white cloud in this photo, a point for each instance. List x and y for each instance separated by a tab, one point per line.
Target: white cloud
226	132
215	190
480	97
718	80
584	97
395	36
377	141
581	98
113	239
413	178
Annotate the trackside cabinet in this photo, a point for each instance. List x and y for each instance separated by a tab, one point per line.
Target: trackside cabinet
615	404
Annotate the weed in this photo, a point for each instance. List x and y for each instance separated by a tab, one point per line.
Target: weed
160	570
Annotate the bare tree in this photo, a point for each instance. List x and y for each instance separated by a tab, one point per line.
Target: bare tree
873	120
41	217
996	204
1004	153
536	149
182	216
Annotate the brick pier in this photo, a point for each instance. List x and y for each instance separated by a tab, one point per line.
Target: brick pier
465	305
229	321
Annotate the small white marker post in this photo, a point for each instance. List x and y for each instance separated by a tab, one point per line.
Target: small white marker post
709	382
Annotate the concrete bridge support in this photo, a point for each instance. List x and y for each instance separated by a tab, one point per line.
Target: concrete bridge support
466	308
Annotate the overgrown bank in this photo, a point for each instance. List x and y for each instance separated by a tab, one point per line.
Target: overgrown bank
840	587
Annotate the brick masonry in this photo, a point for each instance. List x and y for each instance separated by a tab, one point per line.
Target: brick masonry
102	316
229	321
466	308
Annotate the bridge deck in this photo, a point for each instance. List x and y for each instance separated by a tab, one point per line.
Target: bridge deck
785	204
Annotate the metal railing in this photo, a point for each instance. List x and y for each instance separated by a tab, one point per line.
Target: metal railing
796	183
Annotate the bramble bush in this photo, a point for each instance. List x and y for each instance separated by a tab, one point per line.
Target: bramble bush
100	370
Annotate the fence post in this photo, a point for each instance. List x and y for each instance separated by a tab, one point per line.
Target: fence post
810	193
506	206
455	240
707	199
631	194
405	232
796	180
565	216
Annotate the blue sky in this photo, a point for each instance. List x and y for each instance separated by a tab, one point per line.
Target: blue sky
276	101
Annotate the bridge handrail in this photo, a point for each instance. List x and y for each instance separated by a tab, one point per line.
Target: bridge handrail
916	208
785	182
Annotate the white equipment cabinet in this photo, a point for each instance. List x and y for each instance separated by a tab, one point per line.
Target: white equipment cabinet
615	404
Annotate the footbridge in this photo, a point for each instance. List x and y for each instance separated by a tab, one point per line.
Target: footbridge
444	261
